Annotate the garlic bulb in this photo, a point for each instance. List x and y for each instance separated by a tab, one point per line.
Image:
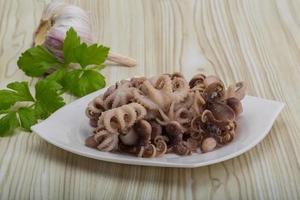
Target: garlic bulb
56	20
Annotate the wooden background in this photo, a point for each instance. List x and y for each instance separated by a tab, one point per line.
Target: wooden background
253	40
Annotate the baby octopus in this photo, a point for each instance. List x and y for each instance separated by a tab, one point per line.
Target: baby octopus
149	117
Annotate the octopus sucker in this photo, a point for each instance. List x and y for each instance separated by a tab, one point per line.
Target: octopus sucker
150	117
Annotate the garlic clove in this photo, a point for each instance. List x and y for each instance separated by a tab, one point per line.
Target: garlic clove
47	21
124	60
41	32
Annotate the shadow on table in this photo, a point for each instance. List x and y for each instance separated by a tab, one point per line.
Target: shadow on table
96	168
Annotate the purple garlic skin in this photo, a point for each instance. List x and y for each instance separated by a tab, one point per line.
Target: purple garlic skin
57	19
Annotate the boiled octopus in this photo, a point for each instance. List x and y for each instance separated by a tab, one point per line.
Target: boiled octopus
149	117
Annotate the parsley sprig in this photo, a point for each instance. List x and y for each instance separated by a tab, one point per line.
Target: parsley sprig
47	100
36	61
20	109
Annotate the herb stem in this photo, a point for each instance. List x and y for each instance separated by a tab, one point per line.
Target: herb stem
97	67
4	112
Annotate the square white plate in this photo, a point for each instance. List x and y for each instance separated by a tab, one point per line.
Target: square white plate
68	127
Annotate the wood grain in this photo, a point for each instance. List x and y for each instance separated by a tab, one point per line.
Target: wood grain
253	40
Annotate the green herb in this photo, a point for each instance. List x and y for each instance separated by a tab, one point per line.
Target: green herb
46	101
48	98
36	61
81	82
8	123
20	109
28	117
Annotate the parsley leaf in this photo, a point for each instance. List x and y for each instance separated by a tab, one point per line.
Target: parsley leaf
82	82
8	123
85	55
27	117
57	76
48	98
22	90
7	99
91	55
36	61
19	92
70	43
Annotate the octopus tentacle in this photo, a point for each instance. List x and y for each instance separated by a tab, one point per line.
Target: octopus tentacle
149	117
182	149
145	101
192	144
198	103
103	140
143	129
109	91
118	94
237	90
119	119
211	80
130	115
156	95
180	89
137	81
171	113
165	119
214	92
196	123
108	122
164	83
120	115
183	116
94	110
187	102
156	130
109	101
197	135
149	152
95	107
159	97
197	82
139	109
160	145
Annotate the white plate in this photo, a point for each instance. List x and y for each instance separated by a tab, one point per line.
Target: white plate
68	127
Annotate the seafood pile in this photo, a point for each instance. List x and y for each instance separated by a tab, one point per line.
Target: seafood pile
149	117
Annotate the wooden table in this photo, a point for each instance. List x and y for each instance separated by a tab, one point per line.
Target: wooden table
257	41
